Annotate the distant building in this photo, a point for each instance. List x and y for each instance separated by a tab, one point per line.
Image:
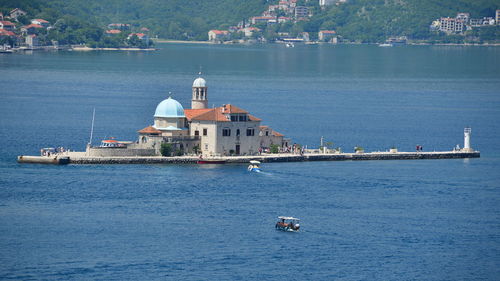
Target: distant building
464	17
223	130
119	26
218	35
256	20
14	14
327	36
451	25
7	25
270	137
301	12
113	32
31	29
249	31
31	41
497	17
323	3
1	16
141	36
41	22
482	22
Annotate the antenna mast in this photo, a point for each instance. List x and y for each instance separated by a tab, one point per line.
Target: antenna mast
92	128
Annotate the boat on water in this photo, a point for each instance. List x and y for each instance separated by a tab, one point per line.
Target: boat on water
254	166
290	45
290	224
385	45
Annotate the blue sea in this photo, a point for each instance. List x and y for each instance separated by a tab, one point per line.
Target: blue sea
360	220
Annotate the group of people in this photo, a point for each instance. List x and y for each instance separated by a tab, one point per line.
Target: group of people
52	151
419	148
295	149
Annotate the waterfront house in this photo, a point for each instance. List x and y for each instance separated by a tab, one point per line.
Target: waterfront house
218	35
497	17
327	36
7	25
31	41
249	31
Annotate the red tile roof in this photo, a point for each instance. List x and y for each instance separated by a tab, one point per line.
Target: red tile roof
149	130
113	31
33	25
277	134
216	114
328	31
41	20
6	22
4	32
190	113
219	31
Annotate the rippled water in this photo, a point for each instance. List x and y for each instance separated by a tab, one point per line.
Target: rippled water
367	220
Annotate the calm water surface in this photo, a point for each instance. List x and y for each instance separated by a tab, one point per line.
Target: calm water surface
375	220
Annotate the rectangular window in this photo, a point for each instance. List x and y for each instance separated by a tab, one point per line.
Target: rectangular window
250	132
205	131
196	133
206	146
267	133
234	118
226	132
243	118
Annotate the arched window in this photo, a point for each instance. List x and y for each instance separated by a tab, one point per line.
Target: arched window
238	132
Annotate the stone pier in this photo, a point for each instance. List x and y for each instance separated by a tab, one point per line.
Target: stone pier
81	158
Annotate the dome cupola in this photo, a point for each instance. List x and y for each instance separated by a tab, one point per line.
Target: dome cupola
169	108
199	82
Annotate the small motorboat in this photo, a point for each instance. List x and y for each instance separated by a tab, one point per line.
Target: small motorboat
254	166
288	224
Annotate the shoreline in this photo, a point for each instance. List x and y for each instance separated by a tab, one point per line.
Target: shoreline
85	48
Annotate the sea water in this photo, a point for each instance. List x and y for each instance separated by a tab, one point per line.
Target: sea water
361	220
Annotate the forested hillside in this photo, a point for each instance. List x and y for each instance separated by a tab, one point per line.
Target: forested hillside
356	20
374	20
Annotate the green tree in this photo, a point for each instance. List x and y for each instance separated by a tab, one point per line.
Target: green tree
166	149
274	148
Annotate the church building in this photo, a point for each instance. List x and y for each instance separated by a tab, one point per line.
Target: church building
218	131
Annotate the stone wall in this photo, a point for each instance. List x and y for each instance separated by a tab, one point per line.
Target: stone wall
119	151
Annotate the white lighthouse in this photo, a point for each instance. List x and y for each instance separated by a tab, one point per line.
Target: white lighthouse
467	148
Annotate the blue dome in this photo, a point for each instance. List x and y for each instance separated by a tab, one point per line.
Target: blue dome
169	108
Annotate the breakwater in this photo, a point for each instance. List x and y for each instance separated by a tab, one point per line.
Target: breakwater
78	158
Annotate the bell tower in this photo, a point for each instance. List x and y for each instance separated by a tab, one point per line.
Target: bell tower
200	94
